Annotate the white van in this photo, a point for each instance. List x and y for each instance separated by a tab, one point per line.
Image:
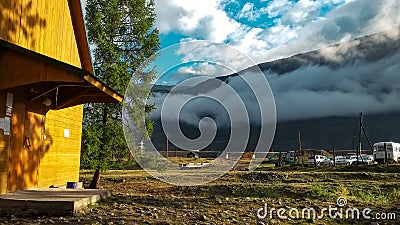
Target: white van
318	159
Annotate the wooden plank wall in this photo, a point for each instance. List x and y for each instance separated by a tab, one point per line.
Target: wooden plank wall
17	159
42	26
4	143
60	156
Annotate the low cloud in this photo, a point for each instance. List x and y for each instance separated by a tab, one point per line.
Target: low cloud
314	92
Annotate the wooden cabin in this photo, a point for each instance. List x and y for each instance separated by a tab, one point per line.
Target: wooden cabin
46	74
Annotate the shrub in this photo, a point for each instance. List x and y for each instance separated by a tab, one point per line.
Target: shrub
375	195
318	191
341	191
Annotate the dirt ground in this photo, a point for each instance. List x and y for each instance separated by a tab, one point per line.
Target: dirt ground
236	198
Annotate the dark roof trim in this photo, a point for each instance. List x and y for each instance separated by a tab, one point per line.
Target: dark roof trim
78	24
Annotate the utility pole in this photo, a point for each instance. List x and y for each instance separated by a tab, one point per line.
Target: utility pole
299	147
280	159
334	157
354	147
315	158
386	155
166	144
359	137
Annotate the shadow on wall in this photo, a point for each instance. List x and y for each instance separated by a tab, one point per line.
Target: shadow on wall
29	145
13	26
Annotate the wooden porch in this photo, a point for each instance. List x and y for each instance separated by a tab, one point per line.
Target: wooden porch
50	201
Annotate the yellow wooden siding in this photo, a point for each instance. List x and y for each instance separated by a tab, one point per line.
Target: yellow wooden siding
4	144
60	156
43	26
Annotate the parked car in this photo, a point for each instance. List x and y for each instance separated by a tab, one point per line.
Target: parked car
367	159
318	159
337	158
350	159
327	162
340	160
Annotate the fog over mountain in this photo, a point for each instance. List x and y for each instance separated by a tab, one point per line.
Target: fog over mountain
319	93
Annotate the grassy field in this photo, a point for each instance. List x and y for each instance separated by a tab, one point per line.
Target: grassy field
236	197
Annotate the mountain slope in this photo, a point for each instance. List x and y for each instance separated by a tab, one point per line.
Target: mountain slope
318	93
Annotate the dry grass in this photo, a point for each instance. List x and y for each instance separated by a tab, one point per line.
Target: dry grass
234	198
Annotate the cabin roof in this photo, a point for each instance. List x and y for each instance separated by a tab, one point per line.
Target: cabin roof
44	76
71	85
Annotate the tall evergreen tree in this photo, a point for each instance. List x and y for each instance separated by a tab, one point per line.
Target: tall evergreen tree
123	35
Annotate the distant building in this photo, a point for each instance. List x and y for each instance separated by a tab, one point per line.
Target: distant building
46	74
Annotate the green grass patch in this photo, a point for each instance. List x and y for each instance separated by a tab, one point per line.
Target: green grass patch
377	195
371	196
320	192
395	194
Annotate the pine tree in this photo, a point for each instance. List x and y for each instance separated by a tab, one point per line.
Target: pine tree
123	36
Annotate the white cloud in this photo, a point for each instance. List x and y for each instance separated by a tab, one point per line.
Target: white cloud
248	41
204	19
386	17
249	12
302	12
219	54
205	69
299	28
277	7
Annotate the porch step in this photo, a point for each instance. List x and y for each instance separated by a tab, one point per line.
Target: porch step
52	201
